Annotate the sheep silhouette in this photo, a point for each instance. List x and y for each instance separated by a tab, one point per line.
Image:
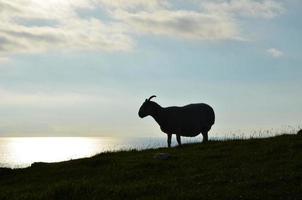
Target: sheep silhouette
188	121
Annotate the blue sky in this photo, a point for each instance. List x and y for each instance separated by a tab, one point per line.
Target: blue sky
83	67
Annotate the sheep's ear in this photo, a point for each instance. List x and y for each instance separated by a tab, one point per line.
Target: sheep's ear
151	97
146	100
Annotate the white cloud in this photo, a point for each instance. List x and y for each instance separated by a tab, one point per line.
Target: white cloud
4	60
276	53
34	26
82	35
215	20
182	24
9	98
251	8
59	28
133	4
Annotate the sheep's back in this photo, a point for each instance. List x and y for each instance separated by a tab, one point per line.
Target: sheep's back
199	112
190	118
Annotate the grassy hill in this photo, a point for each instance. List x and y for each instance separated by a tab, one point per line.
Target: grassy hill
268	168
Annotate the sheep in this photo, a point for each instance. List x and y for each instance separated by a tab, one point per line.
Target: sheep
188	121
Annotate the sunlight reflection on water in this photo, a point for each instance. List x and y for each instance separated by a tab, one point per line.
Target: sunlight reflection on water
23	151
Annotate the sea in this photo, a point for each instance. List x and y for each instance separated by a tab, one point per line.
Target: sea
21	152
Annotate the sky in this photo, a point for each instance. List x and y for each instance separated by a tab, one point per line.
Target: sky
84	67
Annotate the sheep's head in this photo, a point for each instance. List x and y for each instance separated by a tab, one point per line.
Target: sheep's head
147	108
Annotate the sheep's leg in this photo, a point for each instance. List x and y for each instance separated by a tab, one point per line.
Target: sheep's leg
178	139
205	136
169	140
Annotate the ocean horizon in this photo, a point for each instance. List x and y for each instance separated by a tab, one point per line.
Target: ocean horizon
20	152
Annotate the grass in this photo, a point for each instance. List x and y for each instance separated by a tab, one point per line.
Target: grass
267	168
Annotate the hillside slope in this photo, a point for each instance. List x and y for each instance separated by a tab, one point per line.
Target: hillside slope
268	168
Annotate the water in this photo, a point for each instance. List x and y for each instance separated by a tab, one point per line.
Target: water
18	152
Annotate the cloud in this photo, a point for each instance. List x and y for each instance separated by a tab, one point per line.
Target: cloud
215	20
15	98
181	24
260	9
20	31
80	35
34	26
133	4
276	53
4	60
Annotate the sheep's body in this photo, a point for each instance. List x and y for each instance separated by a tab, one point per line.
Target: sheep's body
189	120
